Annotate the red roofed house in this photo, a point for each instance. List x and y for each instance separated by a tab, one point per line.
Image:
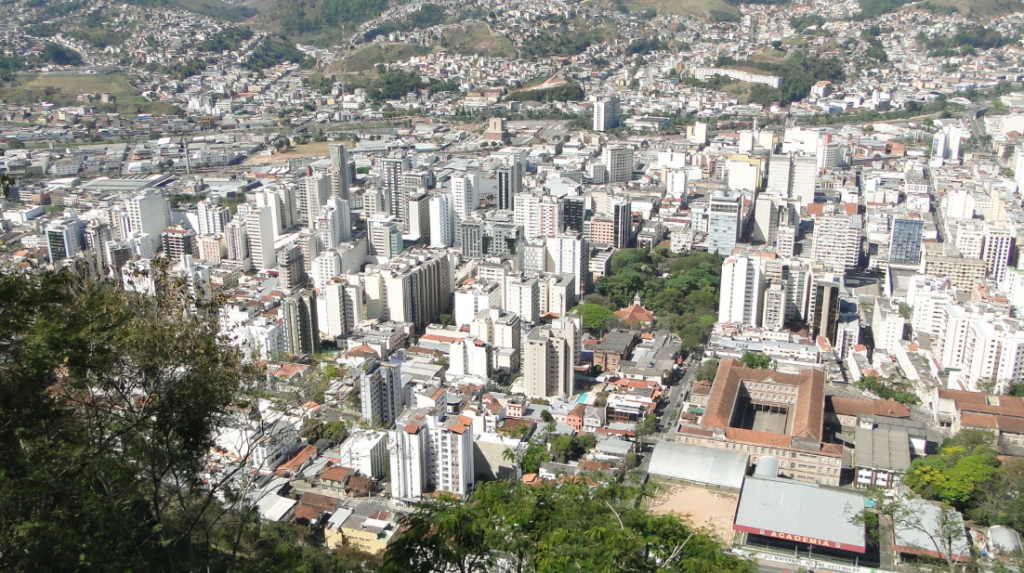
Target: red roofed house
635	315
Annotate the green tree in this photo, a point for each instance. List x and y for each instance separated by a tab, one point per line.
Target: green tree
569	528
756	360
593	316
116	398
707	370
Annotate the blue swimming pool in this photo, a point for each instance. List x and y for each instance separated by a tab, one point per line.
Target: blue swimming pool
582	398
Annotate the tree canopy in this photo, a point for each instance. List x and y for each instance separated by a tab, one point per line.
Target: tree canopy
554	529
685	301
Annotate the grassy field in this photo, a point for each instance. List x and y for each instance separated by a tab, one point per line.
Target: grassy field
478	39
116	84
535	82
367	57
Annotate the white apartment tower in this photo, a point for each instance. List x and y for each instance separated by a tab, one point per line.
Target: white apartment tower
430	450
259	226
442	221
742	287
606	113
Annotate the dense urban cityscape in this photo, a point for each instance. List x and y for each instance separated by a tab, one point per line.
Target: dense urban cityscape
466	285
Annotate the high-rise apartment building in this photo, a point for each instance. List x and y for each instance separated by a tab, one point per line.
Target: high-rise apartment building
419	217
997	250
64	238
510	184
741	291
259	226
316	189
339	170
570	254
177	242
212	217
299	318
385	235
343	300
548	359
465	195
774	315
442	220
430	451
236	240
606	113
396	198
804	180
837	241
380	391
618	160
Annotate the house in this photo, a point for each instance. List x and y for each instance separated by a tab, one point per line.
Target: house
635	315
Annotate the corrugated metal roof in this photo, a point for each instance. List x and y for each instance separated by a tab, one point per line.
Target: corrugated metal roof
883	449
698	464
801	509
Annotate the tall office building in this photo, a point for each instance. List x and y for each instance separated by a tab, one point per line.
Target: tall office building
742	289
548	360
766	219
523	298
302	332
724	222
64	237
574	213
550	216
396	199
339	169
259	226
510	184
380	390
606	113
997	250
618	160
905	241
442	220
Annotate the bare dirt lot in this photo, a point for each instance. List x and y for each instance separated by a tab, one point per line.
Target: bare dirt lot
705	508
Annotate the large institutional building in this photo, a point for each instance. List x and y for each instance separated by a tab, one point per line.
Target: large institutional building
768	413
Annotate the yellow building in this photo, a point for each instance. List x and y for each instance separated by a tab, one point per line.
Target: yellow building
368	527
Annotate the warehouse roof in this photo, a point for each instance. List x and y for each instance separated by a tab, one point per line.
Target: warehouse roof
698	464
793	511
